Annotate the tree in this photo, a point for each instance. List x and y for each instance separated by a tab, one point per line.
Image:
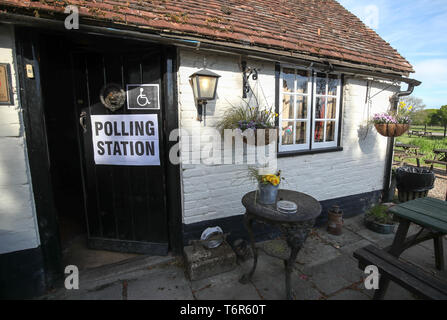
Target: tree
418	115
442	116
417	103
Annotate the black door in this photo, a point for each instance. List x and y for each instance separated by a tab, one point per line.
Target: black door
125	204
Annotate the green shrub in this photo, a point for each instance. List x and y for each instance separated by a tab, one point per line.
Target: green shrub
380	214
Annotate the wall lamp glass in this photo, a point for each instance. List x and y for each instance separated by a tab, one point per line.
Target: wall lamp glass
204	85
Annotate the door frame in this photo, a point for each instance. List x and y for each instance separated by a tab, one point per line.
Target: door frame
32	104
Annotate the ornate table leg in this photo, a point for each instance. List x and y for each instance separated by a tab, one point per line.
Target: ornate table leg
249	226
296	236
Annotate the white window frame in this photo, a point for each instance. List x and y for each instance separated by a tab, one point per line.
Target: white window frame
308	96
311	112
330	144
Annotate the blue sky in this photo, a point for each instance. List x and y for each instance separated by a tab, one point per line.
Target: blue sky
418	30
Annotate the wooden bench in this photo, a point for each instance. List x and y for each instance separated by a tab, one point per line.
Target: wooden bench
407	151
409	277
439	158
420	133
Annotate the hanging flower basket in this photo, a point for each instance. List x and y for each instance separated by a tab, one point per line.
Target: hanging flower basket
392	129
253	136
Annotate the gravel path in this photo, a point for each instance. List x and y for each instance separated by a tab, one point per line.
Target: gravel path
439	192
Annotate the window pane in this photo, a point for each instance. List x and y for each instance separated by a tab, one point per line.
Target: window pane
330	131
301	105
302	79
332	85
288	76
319	108
287	132
331	108
287	106
301	132
319	131
321	83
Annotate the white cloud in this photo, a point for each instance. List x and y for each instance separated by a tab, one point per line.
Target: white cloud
432	72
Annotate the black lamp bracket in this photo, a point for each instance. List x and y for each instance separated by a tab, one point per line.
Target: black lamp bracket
247	73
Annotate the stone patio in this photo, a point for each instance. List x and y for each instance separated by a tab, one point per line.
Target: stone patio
325	269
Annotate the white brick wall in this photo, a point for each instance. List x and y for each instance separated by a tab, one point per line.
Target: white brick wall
211	192
18	224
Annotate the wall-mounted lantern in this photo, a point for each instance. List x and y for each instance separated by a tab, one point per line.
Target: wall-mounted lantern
204	85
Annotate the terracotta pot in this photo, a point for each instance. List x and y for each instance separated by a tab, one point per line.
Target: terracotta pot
391	129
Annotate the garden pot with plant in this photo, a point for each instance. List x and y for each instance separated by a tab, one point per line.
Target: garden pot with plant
268	185
393	124
248	120
379	220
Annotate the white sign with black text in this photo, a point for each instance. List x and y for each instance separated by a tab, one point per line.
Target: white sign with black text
127	140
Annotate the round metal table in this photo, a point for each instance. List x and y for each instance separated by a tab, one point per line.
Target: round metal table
294	227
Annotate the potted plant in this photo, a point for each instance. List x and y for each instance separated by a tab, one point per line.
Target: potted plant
379	220
268	185
247	120
393	124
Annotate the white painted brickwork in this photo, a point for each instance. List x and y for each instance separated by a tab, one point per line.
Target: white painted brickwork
211	192
18	228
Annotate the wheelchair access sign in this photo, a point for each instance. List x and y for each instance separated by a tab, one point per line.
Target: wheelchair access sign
143	97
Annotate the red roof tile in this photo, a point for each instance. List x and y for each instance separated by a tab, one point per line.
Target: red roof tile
320	28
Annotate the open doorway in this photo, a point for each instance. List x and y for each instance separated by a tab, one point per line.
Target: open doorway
63	82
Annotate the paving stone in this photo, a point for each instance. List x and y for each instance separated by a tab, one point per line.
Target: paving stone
167	283
225	286
421	257
315	252
346	238
349	249
111	291
380	240
334	275
269	279
355	224
349	294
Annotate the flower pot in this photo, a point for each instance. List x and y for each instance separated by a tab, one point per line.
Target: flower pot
266	142
267	193
391	129
379	227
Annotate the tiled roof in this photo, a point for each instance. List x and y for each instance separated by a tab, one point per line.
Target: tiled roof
321	28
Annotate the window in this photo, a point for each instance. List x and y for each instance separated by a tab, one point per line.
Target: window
309	110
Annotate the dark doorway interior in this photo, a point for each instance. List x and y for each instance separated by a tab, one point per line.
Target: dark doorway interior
65	156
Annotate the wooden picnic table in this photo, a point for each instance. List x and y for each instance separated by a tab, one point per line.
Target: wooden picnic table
408	151
420	133
439	158
431	215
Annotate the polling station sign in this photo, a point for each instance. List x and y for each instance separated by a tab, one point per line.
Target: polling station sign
127	140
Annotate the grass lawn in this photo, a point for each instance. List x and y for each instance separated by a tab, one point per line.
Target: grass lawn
427	145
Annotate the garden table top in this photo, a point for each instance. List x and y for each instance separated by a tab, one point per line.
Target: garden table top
440	150
407	146
308	207
427	212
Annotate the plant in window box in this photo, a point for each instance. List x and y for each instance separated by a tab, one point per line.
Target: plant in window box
393	124
248	121
268	184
